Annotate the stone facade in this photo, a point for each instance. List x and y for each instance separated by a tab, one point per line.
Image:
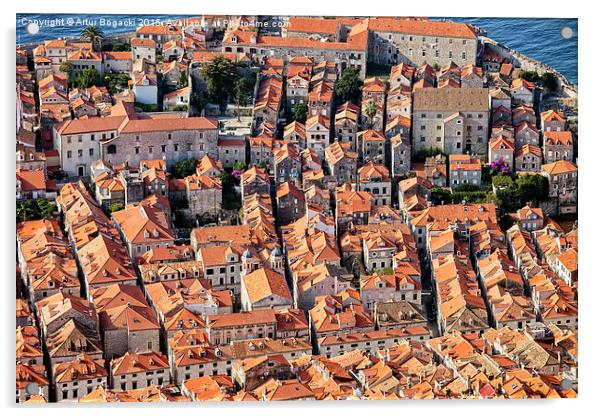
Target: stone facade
401	155
392	43
455	120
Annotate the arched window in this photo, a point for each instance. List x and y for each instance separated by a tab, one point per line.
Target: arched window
112	149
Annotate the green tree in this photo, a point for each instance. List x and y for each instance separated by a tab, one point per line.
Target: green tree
505	222
533	188
428	152
370	111
240	166
300	112
531	76
502	181
550	81
198	101
86	77
30	209
467	187
441	196
230	200
66	67
219	75
243	88
183	81
116	206
184	168
122	47
349	86
509	198
93	34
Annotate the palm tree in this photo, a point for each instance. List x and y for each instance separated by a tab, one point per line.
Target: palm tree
93	34
370	111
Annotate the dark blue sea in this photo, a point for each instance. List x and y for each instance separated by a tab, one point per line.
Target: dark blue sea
537	38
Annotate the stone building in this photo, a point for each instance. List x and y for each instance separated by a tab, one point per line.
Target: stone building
255	181
342	162
191	354
139	370
396	40
552	121
352	53
345	124
74	379
463	170
143	228
297	88
127	322
294	133
232	150
265	289
455	120
375	179
290	201
557	145
371	146
398	125
526	133
401	155
562	176
204	195
528	158
251	373
502	148
317	132
287	165
522	92
126	136
399	315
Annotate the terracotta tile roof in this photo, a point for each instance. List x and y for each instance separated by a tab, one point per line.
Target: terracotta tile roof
123	306
371	171
256	317
329	314
551	115
371	135
233	234
422	27
464	162
208	164
196	182
82	368
442	215
139	362
501	143
159	30
558	138
148	43
265	283
32	180
521	83
143	224
349	202
317	119
27	374
568	259
559	167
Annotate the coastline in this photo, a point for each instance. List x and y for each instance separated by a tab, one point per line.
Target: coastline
530	64
567	96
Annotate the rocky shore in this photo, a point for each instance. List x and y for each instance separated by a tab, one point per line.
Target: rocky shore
565	99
